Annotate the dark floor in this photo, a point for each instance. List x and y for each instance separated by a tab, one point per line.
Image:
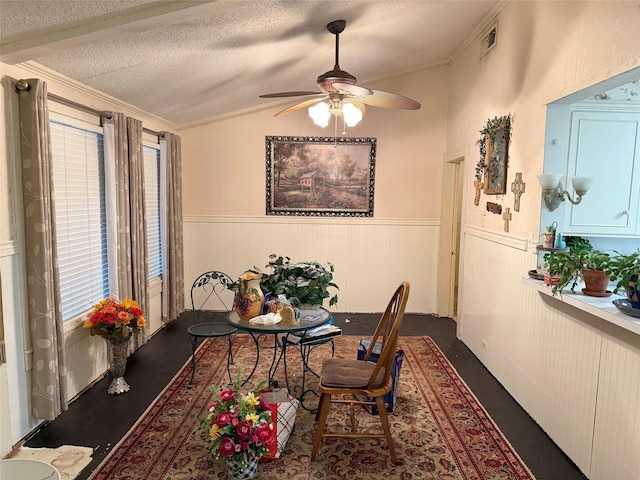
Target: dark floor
99	420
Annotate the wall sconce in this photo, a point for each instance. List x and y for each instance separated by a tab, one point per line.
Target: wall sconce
553	193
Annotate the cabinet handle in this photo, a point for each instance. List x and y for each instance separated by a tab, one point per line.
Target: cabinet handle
626	212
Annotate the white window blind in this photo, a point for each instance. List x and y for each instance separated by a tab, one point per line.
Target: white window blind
152	205
79	195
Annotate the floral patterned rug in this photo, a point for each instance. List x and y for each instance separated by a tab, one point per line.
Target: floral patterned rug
439	428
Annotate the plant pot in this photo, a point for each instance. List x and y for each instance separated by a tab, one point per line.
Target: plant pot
241	468
632	290
548	239
595	283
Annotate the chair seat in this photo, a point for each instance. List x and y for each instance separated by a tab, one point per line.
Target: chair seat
211	330
344	372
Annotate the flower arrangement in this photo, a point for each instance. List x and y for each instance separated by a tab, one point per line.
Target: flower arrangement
239	425
113	320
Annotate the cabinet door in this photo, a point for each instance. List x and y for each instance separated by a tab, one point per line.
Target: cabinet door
606	146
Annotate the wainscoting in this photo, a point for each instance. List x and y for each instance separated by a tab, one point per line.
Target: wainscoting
577	375
371	257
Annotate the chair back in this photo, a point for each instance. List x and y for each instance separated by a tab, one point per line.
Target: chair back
387	333
210	294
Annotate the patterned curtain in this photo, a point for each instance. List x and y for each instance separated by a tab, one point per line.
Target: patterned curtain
48	377
173	275
139	259
124	171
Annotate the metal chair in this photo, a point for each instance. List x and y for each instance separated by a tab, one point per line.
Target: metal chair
363	382
209	309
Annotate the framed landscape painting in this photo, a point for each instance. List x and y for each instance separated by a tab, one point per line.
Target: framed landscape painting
320	176
497	159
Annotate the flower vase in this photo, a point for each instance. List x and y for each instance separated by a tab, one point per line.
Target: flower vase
249	297
240	467
117	352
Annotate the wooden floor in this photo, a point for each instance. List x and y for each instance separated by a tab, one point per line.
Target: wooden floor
99	420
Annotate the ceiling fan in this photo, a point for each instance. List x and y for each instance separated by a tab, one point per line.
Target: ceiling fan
345	97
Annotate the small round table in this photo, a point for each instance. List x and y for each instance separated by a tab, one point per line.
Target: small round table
308	319
27	469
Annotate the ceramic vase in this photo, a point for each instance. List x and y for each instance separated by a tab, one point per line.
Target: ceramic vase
249	297
117	352
548	239
632	290
240	467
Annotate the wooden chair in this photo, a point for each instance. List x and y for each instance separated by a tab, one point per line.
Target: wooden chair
209	308
363	382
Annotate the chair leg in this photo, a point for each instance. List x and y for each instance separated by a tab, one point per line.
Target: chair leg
323	411
194	344
382	411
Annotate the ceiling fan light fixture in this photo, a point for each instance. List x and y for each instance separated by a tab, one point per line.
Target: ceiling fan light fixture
352	114
320	114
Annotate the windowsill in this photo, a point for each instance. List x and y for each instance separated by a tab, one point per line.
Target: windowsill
598	306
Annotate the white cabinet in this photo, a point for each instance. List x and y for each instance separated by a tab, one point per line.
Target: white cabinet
606	146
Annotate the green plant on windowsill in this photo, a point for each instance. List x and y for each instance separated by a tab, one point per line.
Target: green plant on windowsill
566	267
622	267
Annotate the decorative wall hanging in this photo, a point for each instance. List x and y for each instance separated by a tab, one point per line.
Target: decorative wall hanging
320	176
517	188
506	216
494	155
494	208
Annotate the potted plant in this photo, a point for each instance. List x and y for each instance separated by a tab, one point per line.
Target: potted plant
623	267
581	263
240	428
549	236
308	281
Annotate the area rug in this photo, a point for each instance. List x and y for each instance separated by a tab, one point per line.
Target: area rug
439	428
69	460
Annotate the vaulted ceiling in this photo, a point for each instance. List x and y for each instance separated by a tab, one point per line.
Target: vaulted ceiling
188	61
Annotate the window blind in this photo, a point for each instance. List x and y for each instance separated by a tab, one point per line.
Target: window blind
152	206
79	196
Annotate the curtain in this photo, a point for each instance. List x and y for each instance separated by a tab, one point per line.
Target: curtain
172	240
138	223
124	172
48	376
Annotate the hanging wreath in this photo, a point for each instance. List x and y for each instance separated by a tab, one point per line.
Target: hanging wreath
491	127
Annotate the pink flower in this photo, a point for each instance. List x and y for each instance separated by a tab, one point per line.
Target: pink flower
227	395
223	419
264	434
227	447
244	430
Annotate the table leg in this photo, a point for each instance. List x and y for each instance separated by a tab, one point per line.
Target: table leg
255	365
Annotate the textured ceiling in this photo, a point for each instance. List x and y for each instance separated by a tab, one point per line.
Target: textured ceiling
188	61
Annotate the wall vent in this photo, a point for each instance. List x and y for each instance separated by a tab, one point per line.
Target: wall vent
489	40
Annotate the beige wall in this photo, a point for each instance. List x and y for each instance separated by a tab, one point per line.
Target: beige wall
570	370
224	199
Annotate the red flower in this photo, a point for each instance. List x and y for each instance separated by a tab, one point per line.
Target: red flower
227	395
264	434
227	447
244	430
223	419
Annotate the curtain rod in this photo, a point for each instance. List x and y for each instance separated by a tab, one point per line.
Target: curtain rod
24	85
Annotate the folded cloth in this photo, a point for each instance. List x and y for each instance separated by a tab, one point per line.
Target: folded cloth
266	319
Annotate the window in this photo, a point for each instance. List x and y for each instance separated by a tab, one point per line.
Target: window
79	196
152	206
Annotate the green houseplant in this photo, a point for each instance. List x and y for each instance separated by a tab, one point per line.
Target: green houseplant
622	267
567	268
308	281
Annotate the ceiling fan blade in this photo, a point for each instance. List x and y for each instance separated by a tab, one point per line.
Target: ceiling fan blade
290	94
384	99
356	90
300	105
